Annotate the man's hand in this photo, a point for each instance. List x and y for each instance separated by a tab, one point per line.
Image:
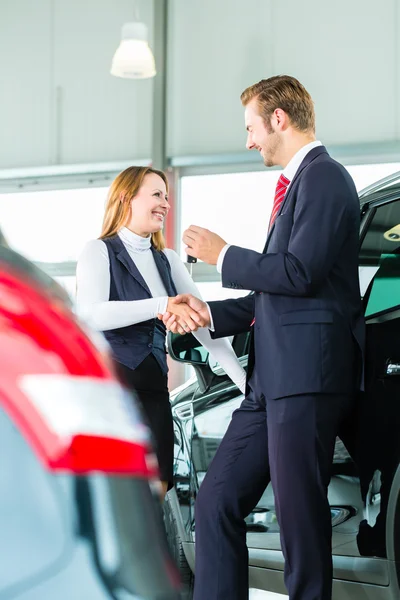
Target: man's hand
204	244
182	306
187	317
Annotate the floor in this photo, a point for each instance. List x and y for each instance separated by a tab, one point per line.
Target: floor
259	595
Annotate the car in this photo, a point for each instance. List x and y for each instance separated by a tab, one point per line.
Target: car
364	493
79	512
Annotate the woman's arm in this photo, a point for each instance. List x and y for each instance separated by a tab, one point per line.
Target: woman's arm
221	349
223	352
93	292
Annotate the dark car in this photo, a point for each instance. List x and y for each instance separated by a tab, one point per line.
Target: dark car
365	486
78	515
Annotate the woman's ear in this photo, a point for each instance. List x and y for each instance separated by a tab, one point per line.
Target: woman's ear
122	197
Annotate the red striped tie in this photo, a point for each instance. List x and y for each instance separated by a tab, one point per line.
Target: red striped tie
280	192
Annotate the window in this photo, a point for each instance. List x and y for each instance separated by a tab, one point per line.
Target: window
365	175
237	206
380	257
52	226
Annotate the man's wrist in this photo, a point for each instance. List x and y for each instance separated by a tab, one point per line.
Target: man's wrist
211	325
221	257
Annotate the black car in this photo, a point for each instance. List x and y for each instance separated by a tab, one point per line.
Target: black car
365	487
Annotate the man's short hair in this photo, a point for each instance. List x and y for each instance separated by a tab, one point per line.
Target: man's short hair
286	93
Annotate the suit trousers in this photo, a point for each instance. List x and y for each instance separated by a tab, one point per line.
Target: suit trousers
290	442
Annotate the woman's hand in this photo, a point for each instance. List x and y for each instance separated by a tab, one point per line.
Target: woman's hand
174	319
185	316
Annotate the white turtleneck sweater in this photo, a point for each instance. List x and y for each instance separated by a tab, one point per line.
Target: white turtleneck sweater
95	308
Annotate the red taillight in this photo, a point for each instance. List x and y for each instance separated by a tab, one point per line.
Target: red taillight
60	391
84	424
87	453
49	326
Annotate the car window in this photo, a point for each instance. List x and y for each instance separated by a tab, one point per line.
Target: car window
380	260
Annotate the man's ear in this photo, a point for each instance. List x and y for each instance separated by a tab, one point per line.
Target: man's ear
281	119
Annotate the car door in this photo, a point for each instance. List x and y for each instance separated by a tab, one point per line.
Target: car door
378	454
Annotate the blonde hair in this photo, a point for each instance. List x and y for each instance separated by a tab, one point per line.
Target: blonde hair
125	187
287	93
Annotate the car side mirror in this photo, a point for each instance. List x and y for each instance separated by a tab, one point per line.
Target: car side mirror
185	348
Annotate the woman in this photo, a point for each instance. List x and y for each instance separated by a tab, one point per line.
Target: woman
125	280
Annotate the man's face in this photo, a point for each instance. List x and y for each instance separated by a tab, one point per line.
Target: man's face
261	136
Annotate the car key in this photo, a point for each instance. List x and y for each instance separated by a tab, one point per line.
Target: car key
191	260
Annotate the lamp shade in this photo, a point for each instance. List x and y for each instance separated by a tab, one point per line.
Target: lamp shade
133	58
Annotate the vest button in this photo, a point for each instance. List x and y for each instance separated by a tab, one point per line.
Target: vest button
151	334
150	345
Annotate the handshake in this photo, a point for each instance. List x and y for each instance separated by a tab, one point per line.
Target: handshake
185	313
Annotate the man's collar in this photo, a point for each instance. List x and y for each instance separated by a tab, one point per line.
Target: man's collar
291	168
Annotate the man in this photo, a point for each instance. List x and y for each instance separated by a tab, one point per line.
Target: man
307	337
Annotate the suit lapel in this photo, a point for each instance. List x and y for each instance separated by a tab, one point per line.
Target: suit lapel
306	161
269	235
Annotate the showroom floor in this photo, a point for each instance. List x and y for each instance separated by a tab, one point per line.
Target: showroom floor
258	595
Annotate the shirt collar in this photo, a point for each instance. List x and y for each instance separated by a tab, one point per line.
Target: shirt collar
134	242
293	165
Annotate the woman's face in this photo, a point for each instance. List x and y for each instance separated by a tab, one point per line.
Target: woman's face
149	208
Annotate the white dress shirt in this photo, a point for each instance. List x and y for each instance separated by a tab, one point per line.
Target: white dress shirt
289	172
93	293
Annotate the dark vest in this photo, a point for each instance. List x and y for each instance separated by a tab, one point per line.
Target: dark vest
132	344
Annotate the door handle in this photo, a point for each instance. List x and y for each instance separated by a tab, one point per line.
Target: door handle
392	368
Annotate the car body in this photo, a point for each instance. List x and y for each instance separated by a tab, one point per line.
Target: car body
78	515
362	486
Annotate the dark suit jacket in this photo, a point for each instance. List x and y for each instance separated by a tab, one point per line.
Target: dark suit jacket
309	329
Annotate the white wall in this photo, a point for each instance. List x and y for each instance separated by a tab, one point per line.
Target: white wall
25	83
58	102
345	52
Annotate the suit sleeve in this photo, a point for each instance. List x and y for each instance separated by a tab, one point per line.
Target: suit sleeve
232	316
325	207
